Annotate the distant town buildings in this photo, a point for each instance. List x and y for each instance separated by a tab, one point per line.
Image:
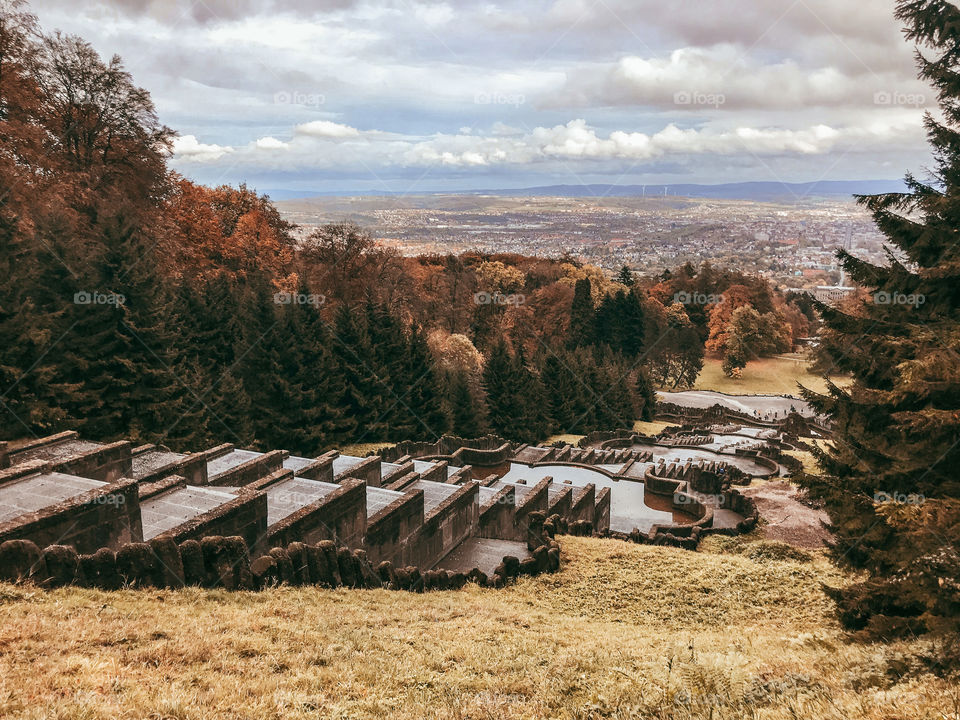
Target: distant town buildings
791	245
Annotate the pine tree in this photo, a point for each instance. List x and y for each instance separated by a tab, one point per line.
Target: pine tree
625	276
646	396
466	417
259	362
212	315
533	399
582	316
388	360
500	378
891	484
28	404
362	398
322	383
562	389
422	397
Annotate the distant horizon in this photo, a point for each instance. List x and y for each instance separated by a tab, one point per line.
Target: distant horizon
743	190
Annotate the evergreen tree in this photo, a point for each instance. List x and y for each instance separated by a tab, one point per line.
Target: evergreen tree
322	383
466	417
646	396
582	316
212	315
891	484
500	379
362	398
29	402
260	361
625	276
389	362
533	400
562	389
421	396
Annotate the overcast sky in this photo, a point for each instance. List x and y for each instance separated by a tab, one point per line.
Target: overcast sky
407	95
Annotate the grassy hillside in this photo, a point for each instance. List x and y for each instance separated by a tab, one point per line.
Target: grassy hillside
622	631
767	376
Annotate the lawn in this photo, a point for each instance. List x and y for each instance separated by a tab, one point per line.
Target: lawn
767	376
623	631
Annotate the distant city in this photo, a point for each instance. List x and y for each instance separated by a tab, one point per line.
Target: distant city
793	244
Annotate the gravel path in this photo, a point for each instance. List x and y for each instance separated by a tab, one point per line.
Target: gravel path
787	519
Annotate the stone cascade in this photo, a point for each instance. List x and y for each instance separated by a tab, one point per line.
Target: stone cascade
97	497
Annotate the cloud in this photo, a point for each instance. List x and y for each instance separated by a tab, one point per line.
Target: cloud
189	149
724	77
270	143
317	145
526	86
326	129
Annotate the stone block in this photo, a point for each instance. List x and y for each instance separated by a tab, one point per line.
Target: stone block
61	563
191	555
135	564
167	563
20	560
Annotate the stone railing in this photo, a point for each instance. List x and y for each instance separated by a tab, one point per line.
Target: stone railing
225	562
486	450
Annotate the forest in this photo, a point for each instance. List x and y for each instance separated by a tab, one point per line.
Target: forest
139	304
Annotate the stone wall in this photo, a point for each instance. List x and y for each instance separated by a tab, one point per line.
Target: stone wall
224	562
367	470
320	469
601	515
393	532
447	446
497	516
402	471
438	473
534	501
107	516
340	516
250	471
107	462
193	468
561	504
246	517
448	524
583	504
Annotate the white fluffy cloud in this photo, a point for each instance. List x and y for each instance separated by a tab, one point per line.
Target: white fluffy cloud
189	149
325	145
724	77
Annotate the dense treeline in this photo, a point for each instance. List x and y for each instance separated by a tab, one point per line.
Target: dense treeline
138	304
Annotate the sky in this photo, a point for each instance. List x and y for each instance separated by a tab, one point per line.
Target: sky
410	95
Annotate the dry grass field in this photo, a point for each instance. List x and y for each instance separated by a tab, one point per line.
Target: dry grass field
738	630
766	376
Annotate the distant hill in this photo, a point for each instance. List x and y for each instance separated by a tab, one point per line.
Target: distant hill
759	191
729	191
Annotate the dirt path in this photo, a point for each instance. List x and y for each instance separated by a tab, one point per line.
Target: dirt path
787	519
